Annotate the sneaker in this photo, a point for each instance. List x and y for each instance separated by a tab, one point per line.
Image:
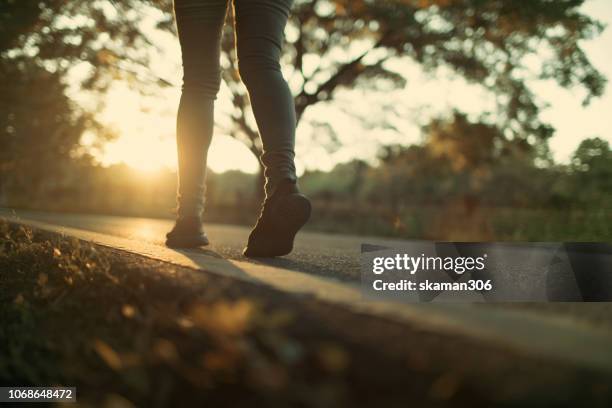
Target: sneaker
187	233
282	216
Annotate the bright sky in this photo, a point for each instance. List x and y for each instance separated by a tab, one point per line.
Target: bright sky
146	125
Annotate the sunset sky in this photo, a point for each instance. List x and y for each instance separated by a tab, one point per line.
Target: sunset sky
145	125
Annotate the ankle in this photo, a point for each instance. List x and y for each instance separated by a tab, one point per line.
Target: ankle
189	219
282	187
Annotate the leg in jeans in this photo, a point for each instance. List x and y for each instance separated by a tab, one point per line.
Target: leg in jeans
260	26
199	24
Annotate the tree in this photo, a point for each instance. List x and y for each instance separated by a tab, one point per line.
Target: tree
592	173
104	36
36	136
40	44
335	44
466	165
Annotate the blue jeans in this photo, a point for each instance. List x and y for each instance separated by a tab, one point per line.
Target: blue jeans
259	30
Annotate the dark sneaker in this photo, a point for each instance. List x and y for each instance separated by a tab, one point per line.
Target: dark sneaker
187	233
282	216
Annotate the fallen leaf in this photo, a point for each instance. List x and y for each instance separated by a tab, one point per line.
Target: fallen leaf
42	279
117	401
128	311
444	387
333	358
19	299
277	319
165	350
224	318
107	354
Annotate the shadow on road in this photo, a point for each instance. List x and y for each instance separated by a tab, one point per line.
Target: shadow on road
209	260
297	265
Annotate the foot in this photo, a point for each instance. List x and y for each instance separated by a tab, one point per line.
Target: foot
282	216
187	233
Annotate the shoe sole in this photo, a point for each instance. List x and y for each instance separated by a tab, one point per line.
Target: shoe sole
293	212
187	241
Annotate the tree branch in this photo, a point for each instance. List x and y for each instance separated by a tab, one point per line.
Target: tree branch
351	69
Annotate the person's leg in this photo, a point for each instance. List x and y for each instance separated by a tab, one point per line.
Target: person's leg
260	26
199	24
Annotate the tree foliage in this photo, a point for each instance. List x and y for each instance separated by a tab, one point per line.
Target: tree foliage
41	43
103	36
331	45
501	45
592	172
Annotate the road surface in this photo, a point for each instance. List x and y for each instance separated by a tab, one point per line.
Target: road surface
556	329
329	255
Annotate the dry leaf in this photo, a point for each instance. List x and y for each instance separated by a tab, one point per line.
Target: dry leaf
107	354
444	387
117	401
42	279
224	318
19	299
333	358
165	350
128	311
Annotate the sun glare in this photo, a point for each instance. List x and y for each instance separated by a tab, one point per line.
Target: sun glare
145	125
145	140
141	152
154	154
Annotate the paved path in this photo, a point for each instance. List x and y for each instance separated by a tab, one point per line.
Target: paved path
322	254
569	332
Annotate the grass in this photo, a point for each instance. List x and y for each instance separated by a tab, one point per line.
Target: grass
130	331
454	224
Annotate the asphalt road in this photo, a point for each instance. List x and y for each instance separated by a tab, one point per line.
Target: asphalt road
324	254
331	255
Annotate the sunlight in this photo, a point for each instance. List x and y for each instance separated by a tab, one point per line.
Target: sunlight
142	152
144	231
145	125
146	135
227	153
155	153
